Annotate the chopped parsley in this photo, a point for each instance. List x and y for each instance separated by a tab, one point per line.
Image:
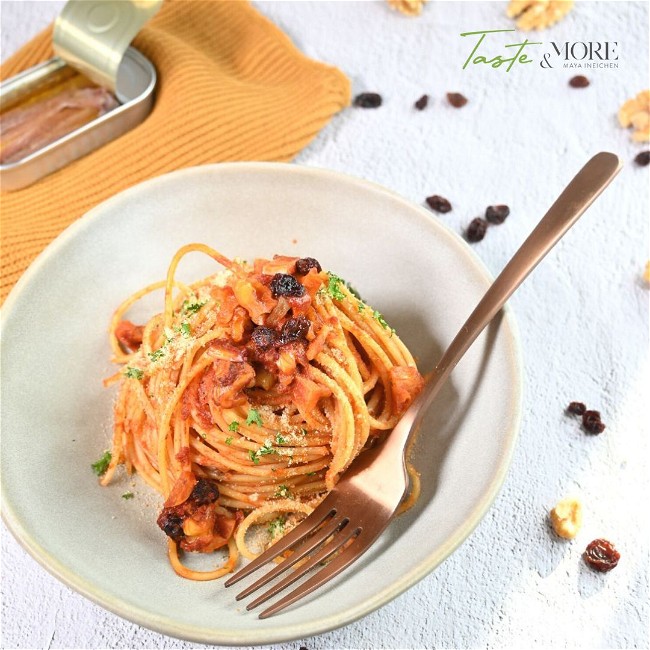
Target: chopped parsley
233	426
127	495
360	306
185	330
382	321
280	439
158	354
283	492
229	440
303	432
254	417
276	526
192	307
262	451
134	373
334	286
311	474
100	466
266	449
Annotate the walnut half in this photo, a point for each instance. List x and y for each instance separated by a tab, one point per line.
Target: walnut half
538	14
566	517
408	7
635	113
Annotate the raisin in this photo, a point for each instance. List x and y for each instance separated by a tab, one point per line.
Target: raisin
283	284
368	100
576	408
642	159
476	229
601	555
294	329
579	81
305	264
497	214
203	493
171	524
263	337
456	100
592	423
438	203
421	104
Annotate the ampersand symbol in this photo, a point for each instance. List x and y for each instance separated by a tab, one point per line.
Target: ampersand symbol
545	60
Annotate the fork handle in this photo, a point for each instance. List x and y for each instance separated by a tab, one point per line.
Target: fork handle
581	192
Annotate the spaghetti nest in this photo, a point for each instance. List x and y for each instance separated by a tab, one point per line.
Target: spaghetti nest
247	397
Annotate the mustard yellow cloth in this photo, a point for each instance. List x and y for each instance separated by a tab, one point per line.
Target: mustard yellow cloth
231	86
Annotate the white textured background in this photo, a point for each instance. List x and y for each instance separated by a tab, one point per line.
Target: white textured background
583	318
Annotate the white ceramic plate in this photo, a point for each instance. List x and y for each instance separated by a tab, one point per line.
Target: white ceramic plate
56	417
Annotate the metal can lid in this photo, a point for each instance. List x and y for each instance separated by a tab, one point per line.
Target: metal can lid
93	35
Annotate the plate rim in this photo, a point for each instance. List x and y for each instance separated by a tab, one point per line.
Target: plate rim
290	632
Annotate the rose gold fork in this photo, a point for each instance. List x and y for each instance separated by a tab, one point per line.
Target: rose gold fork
365	499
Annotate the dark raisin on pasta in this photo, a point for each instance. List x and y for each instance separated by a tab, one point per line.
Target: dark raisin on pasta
294	329
171	524
306	264
263	337
283	284
172	518
204	492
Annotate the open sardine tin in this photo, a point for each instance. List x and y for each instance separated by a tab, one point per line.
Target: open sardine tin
91	40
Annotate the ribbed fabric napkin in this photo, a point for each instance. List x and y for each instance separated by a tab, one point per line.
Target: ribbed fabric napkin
231	86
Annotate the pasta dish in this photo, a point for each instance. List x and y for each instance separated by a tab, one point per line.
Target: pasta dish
244	400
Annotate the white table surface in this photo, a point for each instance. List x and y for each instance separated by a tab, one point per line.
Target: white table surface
583	319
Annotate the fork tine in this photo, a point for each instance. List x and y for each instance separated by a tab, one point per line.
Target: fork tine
342	561
307	546
308	525
318	557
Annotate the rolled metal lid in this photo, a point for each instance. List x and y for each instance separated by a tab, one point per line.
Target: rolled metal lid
93	35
